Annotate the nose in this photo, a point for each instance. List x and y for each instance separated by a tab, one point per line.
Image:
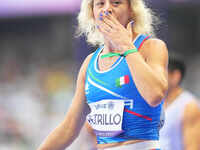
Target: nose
109	11
108	8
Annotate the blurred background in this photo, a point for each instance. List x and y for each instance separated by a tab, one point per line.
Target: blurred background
40	58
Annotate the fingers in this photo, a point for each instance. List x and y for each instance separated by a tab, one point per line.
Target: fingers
104	24
112	18
108	23
104	17
129	27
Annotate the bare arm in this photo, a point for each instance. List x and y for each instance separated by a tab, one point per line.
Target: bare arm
148	67
191	124
91	133
149	70
68	130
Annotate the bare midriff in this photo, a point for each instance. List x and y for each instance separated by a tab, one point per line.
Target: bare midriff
103	146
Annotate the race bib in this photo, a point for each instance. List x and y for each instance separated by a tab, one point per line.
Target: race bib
106	117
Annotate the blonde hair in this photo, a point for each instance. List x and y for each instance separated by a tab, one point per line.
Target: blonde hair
142	15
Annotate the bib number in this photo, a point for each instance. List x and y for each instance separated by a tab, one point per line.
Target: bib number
106	117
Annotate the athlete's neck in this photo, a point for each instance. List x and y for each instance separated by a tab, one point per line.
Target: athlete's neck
172	95
108	47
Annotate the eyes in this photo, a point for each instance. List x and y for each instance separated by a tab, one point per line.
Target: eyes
100	3
117	2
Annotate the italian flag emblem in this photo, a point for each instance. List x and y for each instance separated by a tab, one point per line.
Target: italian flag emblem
122	81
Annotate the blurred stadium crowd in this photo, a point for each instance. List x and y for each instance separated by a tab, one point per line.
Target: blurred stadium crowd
31	104
39	59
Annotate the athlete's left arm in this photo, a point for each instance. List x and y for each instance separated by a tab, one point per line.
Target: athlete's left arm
191	124
148	66
149	70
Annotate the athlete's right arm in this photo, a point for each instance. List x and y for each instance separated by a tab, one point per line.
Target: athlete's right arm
91	134
68	130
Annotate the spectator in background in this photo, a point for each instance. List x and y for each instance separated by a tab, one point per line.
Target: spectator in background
182	120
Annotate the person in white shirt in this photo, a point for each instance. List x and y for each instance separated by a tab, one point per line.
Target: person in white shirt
182	113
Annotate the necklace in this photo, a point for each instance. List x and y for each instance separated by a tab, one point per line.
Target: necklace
111	54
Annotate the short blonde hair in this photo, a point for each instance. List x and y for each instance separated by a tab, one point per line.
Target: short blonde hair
142	15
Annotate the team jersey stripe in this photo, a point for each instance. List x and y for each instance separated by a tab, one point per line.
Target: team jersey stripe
136	114
104	89
96	79
144	41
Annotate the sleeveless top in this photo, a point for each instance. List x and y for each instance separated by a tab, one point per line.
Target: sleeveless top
118	111
171	133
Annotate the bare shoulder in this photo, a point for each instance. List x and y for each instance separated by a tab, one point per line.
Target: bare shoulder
79	96
155	41
87	60
84	66
155	52
192	111
154	45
